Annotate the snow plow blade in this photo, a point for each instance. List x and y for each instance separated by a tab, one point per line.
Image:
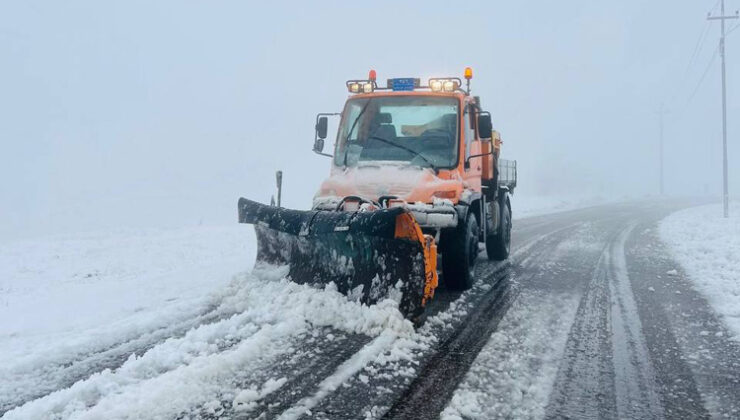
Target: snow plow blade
365	254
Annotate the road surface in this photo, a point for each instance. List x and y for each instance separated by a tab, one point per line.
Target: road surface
589	318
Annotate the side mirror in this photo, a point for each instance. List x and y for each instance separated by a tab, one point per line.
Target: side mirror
322	123
318	145
485	127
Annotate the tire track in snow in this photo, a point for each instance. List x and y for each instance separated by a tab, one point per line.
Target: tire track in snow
636	395
512	376
584	387
38	382
172	377
445	369
696	361
451	360
606	371
346	370
314	358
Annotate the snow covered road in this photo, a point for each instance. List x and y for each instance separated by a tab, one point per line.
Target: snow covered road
582	321
606	325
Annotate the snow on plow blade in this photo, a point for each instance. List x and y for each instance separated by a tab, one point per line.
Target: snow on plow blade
365	254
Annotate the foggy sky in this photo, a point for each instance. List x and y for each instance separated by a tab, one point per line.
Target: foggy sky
163	113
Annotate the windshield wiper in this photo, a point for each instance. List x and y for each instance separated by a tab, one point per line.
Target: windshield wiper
408	149
351	130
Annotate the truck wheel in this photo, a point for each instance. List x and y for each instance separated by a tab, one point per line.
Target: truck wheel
499	243
461	251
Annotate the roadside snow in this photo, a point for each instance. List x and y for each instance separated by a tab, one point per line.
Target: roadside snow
708	248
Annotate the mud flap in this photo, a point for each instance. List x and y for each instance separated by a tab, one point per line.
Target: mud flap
367	255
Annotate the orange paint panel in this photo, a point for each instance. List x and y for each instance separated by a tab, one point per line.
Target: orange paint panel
407	228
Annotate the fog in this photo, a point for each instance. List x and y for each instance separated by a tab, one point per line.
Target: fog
164	113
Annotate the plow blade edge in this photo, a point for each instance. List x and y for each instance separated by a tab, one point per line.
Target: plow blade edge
367	255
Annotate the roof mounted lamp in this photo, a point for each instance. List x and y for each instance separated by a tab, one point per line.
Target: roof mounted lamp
468	75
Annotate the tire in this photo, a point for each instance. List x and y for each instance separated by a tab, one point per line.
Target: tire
498	245
461	251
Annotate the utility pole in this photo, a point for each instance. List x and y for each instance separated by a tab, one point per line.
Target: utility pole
279	179
722	18
661	112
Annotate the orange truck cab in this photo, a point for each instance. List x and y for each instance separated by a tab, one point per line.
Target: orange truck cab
431	149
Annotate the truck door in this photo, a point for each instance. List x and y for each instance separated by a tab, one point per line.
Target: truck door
474	171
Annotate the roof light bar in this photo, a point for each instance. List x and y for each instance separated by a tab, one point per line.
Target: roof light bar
435	84
449	84
361	86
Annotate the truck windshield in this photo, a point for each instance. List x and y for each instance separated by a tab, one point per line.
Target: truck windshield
421	130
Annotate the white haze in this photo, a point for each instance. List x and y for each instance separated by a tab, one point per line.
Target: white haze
163	113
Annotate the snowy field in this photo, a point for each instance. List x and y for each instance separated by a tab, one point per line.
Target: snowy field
56	288
527	206
708	247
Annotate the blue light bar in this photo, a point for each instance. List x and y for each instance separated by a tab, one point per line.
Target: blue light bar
403	84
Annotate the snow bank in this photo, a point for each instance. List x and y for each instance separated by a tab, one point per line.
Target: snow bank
708	248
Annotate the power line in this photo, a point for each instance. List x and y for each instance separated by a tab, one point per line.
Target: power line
733	28
715	7
703	76
698	47
694	56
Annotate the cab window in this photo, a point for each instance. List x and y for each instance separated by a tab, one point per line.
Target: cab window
416	130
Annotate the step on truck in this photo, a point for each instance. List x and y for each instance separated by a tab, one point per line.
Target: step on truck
415	174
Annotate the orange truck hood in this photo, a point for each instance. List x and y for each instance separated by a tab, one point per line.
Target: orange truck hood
408	182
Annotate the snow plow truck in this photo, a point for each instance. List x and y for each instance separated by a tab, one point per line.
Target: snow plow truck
415	178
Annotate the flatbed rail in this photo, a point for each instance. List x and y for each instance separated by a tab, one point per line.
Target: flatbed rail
507	174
